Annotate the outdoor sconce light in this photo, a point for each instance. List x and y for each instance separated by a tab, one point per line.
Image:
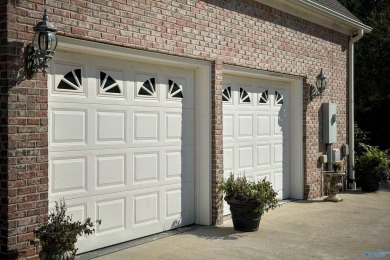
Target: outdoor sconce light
41	50
317	90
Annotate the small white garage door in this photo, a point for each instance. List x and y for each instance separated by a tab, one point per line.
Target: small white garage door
121	145
256	131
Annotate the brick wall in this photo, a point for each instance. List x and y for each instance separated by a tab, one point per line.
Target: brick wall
244	33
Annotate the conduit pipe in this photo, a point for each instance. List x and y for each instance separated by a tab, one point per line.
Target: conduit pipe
351	165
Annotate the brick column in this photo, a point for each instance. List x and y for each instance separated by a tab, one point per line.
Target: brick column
23	141
217	143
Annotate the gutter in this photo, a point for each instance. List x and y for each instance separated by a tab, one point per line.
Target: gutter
351	121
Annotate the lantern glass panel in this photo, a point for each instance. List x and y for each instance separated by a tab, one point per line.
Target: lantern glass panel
43	41
52	41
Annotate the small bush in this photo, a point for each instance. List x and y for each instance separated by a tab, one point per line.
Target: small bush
58	232
373	162
260	192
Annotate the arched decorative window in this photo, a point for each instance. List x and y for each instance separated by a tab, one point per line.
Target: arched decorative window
244	96
175	90
264	98
108	84
278	98
71	81
227	94
148	88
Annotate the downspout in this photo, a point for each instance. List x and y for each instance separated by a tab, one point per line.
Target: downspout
351	164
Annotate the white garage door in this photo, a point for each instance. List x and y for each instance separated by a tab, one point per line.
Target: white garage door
256	131
121	145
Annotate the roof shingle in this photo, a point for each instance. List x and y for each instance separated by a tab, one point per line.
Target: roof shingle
335	6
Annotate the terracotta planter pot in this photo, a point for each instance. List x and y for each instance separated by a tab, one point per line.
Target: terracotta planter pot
245	216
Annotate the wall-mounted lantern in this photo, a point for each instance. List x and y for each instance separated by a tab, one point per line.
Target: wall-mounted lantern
42	49
320	86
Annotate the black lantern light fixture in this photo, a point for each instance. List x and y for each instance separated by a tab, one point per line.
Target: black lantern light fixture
317	90
42	49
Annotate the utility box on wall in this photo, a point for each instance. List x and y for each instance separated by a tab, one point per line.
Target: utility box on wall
329	123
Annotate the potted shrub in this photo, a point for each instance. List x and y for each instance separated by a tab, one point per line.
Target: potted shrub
57	234
372	166
248	201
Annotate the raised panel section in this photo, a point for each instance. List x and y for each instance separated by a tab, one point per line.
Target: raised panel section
113	215
110	170
69	127
174	126
77	211
228	161
278	126
245	125
146	167
263	126
68	174
174	204
146	208
173	164
263	155
278	153
278	183
111	126
228	126
146	126
245	155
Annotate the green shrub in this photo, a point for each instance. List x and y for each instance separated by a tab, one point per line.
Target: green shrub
373	162
260	192
58	232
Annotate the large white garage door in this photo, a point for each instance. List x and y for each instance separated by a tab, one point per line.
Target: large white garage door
121	145
256	131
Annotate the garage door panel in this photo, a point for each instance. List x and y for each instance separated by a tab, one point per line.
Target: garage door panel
245	156
179	205
228	126
68	175
228	160
112	222
146	208
68	126
146	127
257	112
121	145
245	126
111	171
264	126
263	155
146	167
111	127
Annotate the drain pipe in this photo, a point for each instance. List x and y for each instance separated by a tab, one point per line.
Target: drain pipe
351	165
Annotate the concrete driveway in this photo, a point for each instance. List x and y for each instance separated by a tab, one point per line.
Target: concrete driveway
356	228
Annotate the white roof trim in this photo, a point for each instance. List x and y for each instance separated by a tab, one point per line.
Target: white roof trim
333	14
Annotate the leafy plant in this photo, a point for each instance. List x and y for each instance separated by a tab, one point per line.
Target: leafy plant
58	232
337	165
260	192
373	162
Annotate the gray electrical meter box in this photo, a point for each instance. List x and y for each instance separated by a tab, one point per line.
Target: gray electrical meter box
329	123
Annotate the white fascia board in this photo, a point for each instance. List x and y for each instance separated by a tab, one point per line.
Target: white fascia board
335	15
315	13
